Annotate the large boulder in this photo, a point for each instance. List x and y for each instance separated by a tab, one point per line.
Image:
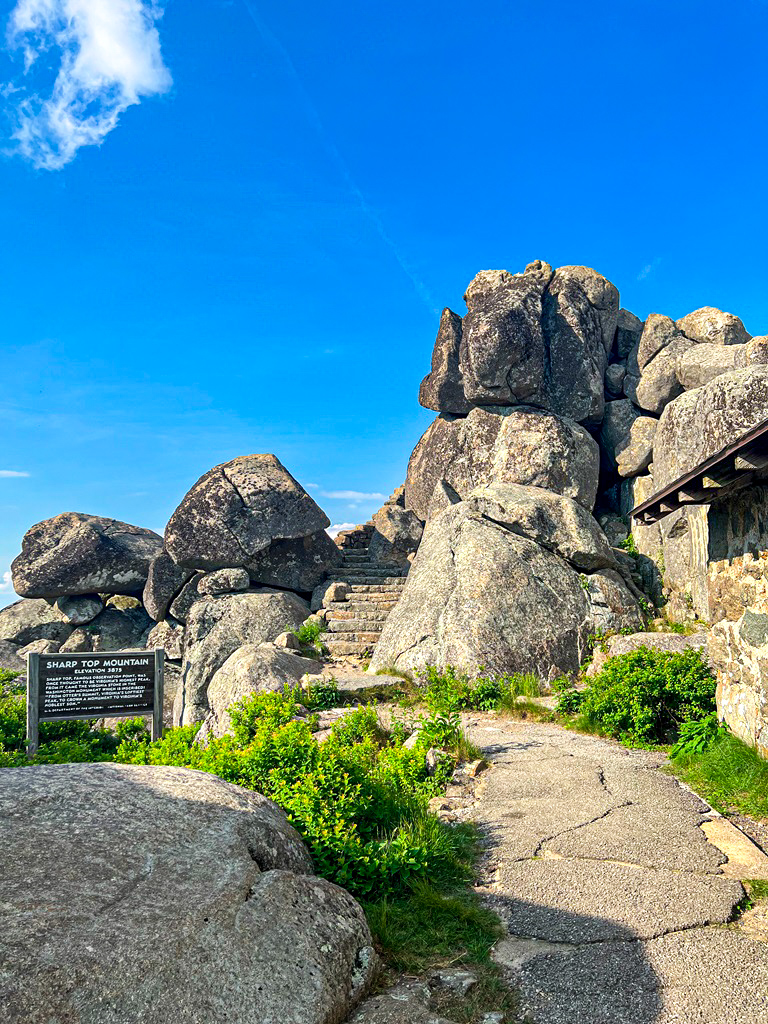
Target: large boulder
503	351
713	326
396	536
700	364
217	626
658	332
540	339
296	564
658	383
10	659
628	330
253	668
443	387
80	610
580	316
503	445
453	610
138	893
236	511
164	583
74	553
701	422
28	620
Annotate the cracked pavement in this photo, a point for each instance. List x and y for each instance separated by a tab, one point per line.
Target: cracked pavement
617	907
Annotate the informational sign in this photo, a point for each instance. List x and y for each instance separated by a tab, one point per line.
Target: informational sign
108	684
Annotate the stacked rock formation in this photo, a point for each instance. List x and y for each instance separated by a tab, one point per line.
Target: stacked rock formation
241	556
514	573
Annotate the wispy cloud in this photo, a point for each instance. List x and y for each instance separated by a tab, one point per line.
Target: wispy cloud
313	487
648	268
6	586
109	58
353	495
332	531
11	472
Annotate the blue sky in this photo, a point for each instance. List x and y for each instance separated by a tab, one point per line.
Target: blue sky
232	229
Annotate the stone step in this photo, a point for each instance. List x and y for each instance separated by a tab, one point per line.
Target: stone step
363	602
364	610
364	577
376	588
364	626
344	648
373	570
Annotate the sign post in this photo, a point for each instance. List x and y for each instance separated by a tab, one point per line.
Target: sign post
108	684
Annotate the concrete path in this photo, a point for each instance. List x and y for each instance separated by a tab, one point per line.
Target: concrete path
616	904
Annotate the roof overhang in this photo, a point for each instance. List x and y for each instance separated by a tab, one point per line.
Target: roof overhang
732	468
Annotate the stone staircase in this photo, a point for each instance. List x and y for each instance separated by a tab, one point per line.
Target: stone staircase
355	625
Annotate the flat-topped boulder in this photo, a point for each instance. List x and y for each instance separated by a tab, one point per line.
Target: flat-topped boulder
236	510
138	893
75	553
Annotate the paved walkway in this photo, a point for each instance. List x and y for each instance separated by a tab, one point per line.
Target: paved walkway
615	902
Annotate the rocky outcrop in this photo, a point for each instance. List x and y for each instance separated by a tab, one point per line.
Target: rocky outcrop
74	553
164	583
253	668
702	422
115	629
25	621
711	325
539	338
79	611
236	511
156	893
443	388
396	536
453	611
580	318
503	445
295	564
217	627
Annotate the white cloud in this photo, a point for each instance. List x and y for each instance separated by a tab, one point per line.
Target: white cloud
332	531
648	268
11	472
109	57
313	487
353	495
6	586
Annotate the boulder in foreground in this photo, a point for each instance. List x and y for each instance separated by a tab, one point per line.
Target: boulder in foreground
513	579
156	894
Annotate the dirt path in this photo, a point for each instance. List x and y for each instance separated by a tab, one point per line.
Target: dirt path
615	903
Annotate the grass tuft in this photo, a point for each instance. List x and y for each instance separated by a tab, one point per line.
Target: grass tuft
728	774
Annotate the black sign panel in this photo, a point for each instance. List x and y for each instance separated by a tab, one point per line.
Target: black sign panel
96	685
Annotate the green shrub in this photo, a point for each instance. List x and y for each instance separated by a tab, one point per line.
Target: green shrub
696	736
359	800
643	698
321	696
308	634
448	690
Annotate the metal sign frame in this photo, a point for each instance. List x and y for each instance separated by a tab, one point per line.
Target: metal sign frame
33	695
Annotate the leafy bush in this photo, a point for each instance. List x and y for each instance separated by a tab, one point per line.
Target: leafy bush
308	634
447	690
644	697
696	736
321	696
359	800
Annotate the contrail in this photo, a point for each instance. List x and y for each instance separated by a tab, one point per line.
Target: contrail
314	118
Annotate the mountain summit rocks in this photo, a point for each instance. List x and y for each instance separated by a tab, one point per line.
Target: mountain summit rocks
75	553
